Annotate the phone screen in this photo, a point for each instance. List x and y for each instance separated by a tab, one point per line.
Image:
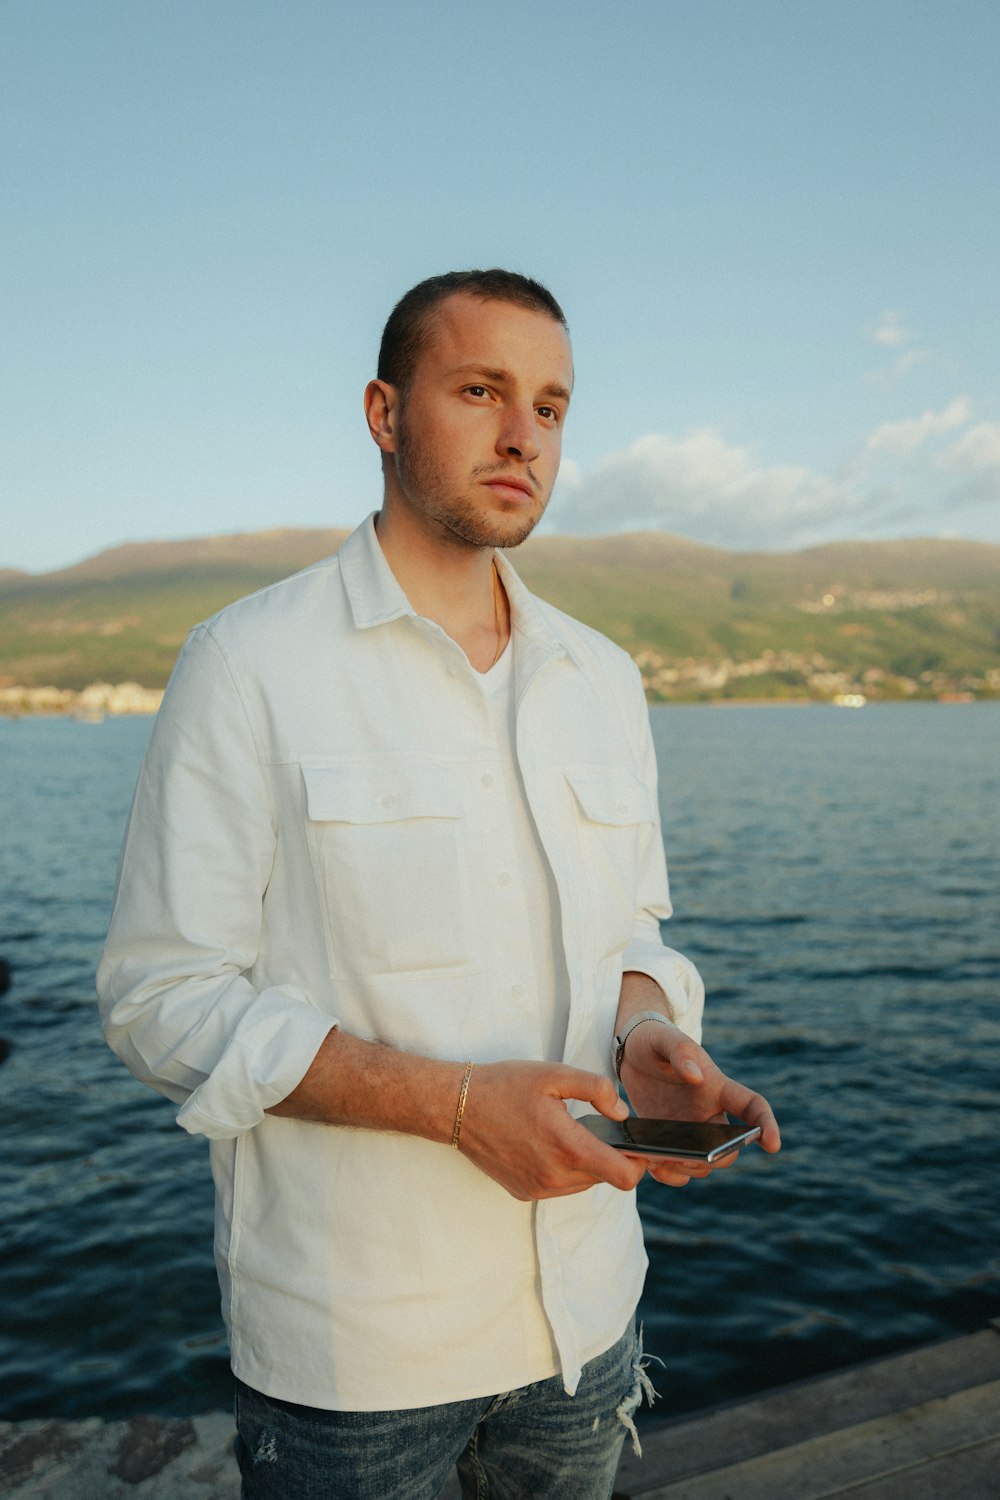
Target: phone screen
694	1139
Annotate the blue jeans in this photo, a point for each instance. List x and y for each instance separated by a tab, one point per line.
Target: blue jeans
534	1443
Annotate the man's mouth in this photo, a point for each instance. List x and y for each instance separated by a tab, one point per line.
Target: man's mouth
510	487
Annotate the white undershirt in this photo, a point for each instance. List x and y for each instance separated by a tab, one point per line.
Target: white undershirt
534	923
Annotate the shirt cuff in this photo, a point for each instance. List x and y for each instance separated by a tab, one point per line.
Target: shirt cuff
677	977
263	1062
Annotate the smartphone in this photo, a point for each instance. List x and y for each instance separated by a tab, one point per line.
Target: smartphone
694	1139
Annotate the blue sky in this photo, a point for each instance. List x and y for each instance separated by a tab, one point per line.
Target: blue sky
773	225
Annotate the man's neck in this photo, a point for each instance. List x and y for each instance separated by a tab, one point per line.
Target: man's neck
448	581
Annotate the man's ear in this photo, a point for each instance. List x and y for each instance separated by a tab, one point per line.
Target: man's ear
381	413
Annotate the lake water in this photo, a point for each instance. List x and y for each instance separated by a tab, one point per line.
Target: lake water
835	875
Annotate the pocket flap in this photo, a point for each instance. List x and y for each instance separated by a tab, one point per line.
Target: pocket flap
381	794
613	796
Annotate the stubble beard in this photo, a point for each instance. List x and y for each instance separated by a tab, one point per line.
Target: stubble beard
456	518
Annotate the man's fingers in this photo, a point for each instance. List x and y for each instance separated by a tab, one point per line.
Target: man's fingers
585	1153
770	1138
679	1050
592	1088
605	1163
626	1173
753	1109
672	1175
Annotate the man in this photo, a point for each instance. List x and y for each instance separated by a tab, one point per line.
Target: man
392	886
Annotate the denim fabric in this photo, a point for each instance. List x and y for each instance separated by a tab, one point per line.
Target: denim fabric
534	1443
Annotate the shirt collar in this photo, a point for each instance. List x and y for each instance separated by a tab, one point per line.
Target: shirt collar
376	597
372	591
527	616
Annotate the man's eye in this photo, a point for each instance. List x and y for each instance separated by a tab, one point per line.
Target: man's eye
476	390
548	413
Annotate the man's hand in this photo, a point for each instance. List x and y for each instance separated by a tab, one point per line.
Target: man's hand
669	1076
517	1130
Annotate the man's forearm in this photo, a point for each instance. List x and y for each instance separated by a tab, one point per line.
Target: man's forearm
375	1087
516	1127
639	993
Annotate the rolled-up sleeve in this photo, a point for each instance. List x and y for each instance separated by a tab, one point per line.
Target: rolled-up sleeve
174	982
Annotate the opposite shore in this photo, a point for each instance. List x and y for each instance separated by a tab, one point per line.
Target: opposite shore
91	703
98	700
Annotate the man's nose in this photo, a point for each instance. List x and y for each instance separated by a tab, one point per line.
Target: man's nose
518	435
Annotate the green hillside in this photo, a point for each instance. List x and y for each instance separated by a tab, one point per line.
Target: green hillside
123	615
887	619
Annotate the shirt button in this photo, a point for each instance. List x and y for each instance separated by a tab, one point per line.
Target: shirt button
517	990
487	780
503	878
389	800
622	807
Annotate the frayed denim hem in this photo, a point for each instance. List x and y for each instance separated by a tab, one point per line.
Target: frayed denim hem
643	1387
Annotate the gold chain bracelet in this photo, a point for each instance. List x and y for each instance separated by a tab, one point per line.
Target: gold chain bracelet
461	1105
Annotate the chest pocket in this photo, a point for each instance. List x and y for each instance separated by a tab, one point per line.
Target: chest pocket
388	851
615	817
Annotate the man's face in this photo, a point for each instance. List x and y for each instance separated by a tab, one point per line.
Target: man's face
479	433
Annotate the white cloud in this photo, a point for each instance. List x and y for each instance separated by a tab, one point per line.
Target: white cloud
891	333
701	486
910	477
979	448
890	330
903	437
570	474
898	370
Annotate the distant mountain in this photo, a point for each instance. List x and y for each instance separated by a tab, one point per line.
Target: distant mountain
282	548
889	619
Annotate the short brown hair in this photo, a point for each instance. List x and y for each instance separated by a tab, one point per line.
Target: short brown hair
405	334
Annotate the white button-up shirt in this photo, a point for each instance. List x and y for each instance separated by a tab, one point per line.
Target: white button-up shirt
313	843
